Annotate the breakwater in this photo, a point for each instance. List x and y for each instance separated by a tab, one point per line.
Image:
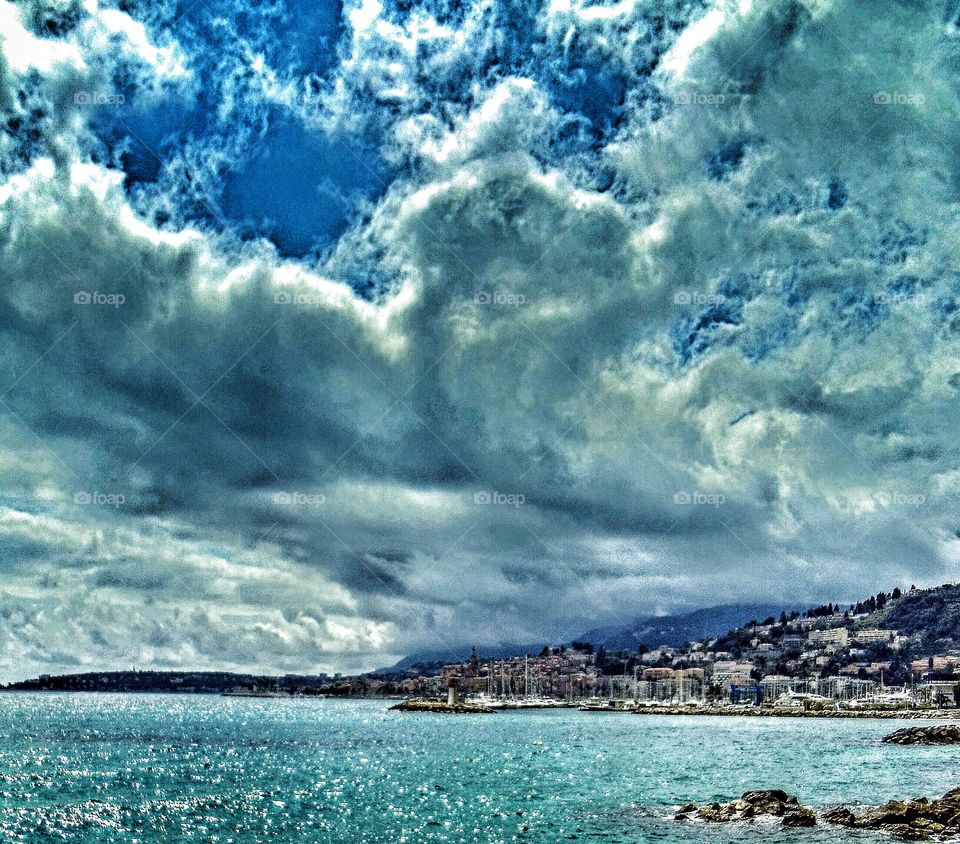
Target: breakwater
459	708
773	712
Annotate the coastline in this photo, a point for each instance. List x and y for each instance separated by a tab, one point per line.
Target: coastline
771	712
467	706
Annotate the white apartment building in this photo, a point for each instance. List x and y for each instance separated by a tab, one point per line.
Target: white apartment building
873	637
833	636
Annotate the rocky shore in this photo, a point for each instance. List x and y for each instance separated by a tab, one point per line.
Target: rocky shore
460	708
918	819
940	734
751	805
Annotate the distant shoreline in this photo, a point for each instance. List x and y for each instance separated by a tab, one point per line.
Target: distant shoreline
686	711
772	712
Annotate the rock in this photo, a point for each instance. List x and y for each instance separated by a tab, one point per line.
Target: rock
928	825
751	804
939	734
905	832
800	817
767	796
841	816
919	819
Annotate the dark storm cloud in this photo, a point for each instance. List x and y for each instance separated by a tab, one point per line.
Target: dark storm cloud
690	342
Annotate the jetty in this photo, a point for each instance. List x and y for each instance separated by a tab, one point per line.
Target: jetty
451	705
788	712
427	705
940	734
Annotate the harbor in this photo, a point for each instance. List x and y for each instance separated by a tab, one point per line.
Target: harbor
894	704
783	697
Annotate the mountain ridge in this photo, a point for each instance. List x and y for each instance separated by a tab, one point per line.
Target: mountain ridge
651	631
678	628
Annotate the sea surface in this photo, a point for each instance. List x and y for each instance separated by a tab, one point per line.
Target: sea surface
158	768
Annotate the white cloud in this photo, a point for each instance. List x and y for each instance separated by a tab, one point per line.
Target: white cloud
727	372
23	51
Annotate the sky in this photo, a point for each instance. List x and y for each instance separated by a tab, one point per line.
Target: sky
334	331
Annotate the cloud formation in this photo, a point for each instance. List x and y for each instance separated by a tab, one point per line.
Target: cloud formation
462	322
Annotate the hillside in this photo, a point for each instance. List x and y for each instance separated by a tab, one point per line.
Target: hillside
674	630
924	624
651	632
433	660
932	616
893	637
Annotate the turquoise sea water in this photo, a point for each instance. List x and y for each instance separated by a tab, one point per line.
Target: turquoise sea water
130	768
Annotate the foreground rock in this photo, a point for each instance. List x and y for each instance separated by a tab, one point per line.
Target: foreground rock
912	820
919	819
752	804
419	705
941	734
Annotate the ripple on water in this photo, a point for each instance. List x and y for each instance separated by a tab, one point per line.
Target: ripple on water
108	768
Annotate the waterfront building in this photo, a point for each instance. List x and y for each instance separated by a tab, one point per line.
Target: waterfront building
774	685
730	673
936	663
657	674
